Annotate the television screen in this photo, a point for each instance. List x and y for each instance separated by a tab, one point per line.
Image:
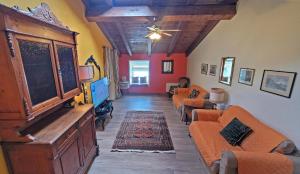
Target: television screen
99	91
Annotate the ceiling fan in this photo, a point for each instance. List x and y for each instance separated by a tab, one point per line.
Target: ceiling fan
155	33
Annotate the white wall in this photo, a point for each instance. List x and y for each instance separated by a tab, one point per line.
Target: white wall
265	34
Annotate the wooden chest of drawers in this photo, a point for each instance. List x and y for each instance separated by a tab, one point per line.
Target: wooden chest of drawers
65	146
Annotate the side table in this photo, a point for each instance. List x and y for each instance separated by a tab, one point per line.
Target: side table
102	112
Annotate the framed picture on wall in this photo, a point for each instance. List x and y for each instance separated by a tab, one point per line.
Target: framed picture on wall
213	70
204	68
278	82
246	76
167	66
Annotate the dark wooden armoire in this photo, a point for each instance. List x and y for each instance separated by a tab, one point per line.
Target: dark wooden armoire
38	76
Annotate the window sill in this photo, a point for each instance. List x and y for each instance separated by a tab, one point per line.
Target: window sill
139	85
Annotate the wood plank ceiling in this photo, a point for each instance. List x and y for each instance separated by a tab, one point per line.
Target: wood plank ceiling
124	22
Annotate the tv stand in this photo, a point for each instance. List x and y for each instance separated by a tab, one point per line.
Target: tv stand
102	112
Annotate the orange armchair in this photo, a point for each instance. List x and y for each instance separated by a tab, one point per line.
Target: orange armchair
184	104
181	97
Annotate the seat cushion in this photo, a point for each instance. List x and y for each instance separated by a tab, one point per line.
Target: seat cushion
262	139
178	100
208	140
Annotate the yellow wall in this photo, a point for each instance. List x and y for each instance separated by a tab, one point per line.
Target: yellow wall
70	13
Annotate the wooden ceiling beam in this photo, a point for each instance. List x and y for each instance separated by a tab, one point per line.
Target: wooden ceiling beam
124	38
101	5
174	39
170	2
146	11
108	36
194	18
141	19
207	29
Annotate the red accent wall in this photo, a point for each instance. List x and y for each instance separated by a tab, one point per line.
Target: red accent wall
157	79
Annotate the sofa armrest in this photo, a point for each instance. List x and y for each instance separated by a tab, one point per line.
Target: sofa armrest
296	163
197	102
228	163
257	162
182	91
206	115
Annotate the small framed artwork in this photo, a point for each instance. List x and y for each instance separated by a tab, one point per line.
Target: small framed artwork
226	71
278	82
204	68
167	66
213	70
246	76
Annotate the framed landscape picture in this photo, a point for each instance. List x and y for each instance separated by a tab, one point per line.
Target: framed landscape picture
204	68
278	82
246	76
213	70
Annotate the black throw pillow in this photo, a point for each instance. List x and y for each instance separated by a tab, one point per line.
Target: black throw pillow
194	93
235	132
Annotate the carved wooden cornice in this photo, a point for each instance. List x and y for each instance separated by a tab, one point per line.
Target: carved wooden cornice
42	12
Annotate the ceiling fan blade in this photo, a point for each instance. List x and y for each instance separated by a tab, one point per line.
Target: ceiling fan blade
170	30
151	29
148	35
167	34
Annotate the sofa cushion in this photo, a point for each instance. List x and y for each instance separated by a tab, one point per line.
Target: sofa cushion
286	147
235	132
262	139
208	140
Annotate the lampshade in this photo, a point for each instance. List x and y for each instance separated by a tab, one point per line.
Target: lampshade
217	95
86	73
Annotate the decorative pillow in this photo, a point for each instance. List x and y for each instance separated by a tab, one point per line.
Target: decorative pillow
194	93
286	147
235	132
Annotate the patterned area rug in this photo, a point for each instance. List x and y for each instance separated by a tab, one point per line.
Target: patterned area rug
144	131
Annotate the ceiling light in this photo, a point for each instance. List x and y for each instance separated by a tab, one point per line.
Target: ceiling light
155	36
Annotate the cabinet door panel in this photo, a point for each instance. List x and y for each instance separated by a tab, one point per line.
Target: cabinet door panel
37	65
87	133
67	67
70	159
39	76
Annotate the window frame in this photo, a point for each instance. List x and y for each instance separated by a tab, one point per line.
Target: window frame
129	72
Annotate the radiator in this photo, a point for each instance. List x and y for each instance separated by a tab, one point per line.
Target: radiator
168	85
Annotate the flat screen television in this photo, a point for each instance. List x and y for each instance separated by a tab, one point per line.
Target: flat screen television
99	91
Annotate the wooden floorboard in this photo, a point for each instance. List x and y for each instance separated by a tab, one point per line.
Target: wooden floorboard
186	160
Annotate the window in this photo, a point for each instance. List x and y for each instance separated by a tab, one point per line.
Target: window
139	72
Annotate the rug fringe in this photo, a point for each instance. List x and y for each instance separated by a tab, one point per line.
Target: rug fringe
142	151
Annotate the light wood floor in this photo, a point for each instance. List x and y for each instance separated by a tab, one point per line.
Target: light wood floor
186	160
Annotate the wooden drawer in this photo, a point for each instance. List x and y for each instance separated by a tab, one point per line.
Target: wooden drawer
68	136
85	118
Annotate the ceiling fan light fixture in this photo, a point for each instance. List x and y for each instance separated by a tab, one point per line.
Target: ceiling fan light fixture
155	36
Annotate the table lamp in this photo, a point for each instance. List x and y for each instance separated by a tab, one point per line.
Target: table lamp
86	74
217	96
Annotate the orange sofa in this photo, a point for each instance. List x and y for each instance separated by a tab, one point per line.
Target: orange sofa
223	158
180	98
